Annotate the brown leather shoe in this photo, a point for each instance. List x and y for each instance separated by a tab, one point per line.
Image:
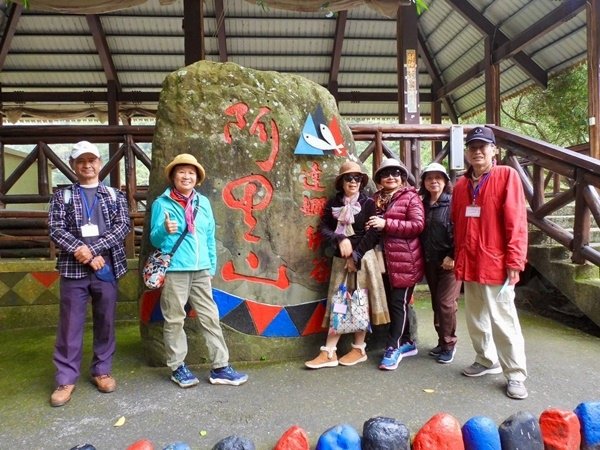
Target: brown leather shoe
62	394
105	383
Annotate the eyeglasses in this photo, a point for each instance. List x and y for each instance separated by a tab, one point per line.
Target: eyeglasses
349	178
385	173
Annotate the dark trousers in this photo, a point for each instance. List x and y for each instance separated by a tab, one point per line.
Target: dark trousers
398	304
444	289
68	351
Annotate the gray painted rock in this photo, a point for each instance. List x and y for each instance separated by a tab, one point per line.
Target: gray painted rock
234	443
519	431
385	433
244	127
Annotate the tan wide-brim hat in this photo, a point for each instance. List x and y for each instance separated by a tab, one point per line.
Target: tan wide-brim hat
389	162
350	167
185	158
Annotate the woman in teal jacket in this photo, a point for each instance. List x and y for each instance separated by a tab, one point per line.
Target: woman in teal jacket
181	209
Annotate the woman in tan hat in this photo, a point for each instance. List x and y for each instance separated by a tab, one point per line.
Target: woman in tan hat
343	227
181	210
400	219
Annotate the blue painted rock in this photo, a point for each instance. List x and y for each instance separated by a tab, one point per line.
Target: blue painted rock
560	429
295	438
234	443
441	432
84	447
385	433
340	437
519	431
178	446
481	433
589	418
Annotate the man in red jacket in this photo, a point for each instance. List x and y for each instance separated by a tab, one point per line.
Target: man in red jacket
490	233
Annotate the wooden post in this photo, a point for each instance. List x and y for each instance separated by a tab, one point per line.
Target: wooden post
593	51
408	75
193	30
492	85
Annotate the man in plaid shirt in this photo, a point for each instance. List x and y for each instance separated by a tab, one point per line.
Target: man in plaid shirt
88	222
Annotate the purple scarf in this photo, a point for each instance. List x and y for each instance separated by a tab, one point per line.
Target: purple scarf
345	215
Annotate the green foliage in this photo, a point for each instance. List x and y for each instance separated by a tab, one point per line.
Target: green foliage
557	114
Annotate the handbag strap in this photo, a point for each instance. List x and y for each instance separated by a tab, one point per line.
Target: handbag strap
180	240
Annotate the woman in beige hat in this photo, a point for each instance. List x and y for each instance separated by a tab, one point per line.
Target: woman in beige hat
343	227
180	209
400	219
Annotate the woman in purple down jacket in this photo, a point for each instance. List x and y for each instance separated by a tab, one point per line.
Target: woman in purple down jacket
401	219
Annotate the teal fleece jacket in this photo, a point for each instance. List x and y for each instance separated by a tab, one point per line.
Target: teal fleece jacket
198	250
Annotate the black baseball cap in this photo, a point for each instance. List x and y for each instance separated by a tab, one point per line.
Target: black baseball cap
484	134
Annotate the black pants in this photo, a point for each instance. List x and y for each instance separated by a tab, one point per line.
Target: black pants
398	304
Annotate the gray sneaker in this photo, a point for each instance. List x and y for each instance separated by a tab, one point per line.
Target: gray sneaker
477	370
516	389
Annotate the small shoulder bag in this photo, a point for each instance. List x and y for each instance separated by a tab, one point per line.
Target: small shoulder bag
155	269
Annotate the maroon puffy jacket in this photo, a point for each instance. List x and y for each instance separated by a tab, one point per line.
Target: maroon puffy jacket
404	222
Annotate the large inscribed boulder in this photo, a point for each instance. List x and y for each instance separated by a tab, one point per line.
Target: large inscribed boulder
271	145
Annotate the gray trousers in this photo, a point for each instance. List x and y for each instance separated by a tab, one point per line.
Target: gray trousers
195	287
494	328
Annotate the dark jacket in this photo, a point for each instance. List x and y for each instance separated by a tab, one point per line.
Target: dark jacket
438	236
362	240
404	222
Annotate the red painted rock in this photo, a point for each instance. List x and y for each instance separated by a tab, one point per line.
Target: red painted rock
142	444
441	432
560	430
295	438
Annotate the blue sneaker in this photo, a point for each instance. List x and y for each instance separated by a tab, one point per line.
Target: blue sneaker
391	358
227	375
408	349
184	377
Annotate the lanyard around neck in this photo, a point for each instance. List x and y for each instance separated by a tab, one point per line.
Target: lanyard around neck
89	210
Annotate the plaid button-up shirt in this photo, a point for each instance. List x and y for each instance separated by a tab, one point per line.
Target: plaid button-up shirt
64	224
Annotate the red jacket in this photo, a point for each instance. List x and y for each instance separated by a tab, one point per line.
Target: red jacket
404	222
486	246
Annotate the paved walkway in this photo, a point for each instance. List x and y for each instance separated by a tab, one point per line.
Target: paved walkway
564	366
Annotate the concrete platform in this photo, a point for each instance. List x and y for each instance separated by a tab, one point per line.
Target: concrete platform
563	365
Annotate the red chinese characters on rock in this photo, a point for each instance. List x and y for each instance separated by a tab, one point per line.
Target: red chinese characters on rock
312	178
252	193
249	201
314	207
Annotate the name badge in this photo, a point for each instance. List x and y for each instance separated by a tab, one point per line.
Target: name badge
89	230
473	211
340	308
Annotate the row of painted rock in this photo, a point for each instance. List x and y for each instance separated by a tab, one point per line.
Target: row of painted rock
555	430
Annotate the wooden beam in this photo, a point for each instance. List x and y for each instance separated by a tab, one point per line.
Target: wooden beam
473	16
9	31
563	13
221	32
593	51
102	48
152	97
193	31
336	54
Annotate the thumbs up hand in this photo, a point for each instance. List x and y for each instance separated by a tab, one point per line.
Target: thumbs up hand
170	225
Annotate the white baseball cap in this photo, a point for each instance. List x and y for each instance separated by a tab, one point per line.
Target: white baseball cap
83	147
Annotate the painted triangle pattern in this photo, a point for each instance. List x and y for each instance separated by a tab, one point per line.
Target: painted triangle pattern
249	316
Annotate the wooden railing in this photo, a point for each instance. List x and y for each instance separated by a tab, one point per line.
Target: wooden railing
552	176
